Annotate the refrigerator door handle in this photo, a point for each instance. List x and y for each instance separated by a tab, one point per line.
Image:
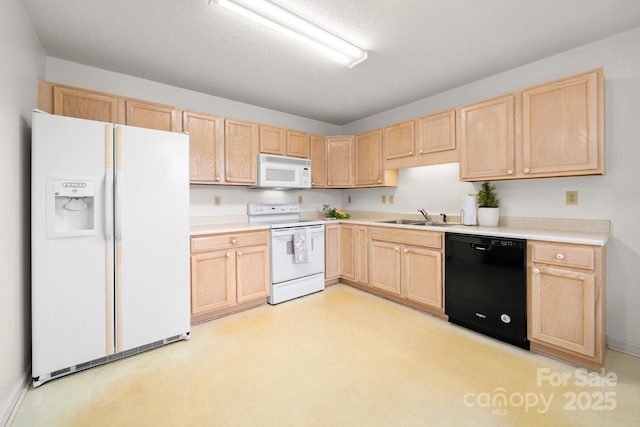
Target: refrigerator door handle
108	234
119	176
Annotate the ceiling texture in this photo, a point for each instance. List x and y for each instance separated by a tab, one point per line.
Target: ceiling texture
417	48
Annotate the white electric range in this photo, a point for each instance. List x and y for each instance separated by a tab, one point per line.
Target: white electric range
297	250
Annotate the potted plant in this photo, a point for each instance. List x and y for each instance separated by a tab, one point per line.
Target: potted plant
488	205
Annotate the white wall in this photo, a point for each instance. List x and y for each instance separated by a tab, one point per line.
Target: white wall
21	65
615	196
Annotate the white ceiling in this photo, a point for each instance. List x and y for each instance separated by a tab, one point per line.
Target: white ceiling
417	48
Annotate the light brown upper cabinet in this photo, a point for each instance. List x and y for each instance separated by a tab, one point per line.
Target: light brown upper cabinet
80	103
399	140
152	116
318	161
339	161
241	152
298	144
206	147
487	139
551	130
85	104
563	127
437	133
368	168
272	140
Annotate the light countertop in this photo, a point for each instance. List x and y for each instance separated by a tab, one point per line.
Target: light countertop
597	238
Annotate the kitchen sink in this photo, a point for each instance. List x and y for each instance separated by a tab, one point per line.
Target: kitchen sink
401	221
416	222
432	224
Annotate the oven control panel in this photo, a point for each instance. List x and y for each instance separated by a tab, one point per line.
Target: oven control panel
272	208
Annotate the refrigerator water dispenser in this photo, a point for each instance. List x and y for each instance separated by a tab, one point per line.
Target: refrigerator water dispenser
71	206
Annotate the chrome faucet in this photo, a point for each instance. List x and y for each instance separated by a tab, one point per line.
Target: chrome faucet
424	214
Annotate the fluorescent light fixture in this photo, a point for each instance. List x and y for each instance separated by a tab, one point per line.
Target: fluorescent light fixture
299	29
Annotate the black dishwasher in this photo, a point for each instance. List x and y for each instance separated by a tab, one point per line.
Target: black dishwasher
485	285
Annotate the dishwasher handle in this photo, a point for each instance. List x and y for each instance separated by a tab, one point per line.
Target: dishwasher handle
480	247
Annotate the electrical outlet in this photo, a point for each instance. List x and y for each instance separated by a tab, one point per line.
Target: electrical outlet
348	199
384	199
217	200
300	199
391	199
572	197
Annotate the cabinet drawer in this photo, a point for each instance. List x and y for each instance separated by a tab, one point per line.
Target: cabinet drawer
566	255
229	240
432	239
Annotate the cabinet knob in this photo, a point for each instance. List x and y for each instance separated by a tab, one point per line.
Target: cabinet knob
411	153
526	170
536	271
560	256
329	183
313	183
228	179
234	241
239	253
379	181
396	249
228	254
406	251
217	178
510	172
421	151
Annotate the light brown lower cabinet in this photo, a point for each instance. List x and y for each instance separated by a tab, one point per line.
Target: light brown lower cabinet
408	264
566	301
229	272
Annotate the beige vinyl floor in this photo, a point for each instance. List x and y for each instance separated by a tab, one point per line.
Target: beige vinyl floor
340	357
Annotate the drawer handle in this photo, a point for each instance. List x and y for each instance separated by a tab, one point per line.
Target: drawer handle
536	271
560	256
234	241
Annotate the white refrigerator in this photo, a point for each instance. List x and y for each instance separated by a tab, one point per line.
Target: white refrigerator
109	242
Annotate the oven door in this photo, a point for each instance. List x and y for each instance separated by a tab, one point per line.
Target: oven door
283	267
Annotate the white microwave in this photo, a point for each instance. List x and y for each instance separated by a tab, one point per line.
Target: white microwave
280	172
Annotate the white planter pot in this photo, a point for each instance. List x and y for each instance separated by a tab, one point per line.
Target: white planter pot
488	217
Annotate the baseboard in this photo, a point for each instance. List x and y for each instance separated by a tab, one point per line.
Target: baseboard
623	346
11	409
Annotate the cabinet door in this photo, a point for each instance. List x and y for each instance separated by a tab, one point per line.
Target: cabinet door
487	139
399	140
241	151
362	254
85	105
368	158
272	140
562	309
347	248
384	267
561	130
206	147
437	132
318	161
332	256
151	116
339	161
422	275
252	273
298	144
213	281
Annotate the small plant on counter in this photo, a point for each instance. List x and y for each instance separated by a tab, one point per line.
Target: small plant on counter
487	196
330	212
